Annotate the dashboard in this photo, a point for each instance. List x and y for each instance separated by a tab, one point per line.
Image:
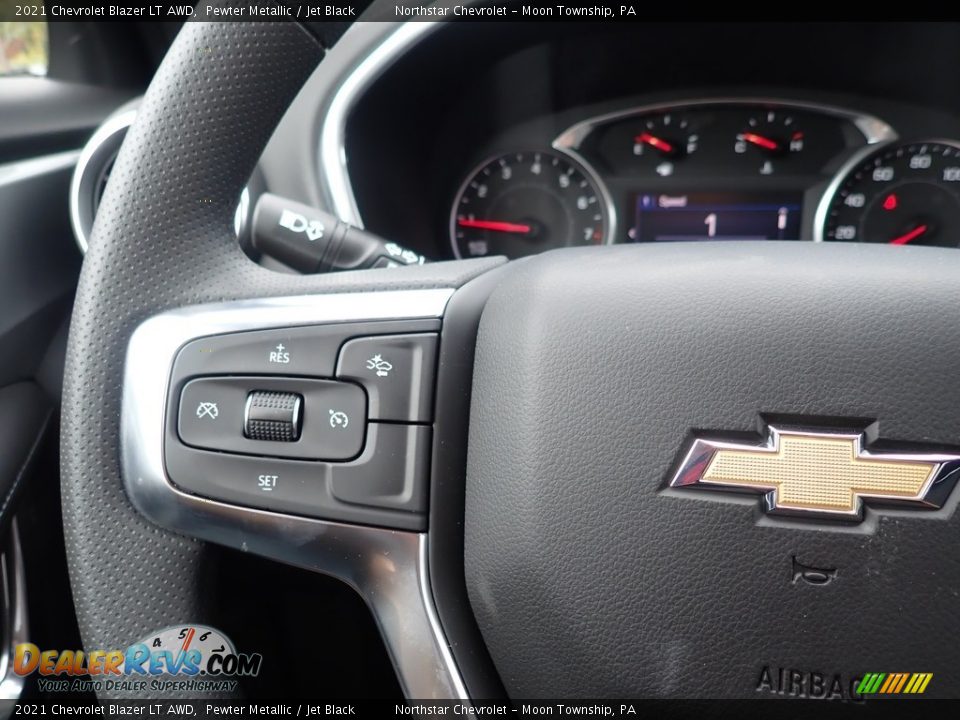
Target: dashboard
510	166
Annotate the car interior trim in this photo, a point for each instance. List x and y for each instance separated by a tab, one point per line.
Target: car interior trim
104	144
841	176
21	170
392	576
874	129
332	146
823	207
104	140
15	625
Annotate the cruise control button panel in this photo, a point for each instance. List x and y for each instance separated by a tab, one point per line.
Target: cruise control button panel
331	416
390	473
306	352
397	371
374	489
308	420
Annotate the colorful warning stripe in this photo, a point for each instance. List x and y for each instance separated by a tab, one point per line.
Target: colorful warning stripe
894	683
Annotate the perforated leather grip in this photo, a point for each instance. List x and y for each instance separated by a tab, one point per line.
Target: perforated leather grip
163	238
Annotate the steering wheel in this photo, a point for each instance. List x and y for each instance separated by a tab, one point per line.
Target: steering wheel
551	544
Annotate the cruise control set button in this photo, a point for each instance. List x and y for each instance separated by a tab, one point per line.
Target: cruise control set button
386	488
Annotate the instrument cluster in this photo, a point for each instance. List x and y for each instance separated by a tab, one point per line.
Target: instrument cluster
729	169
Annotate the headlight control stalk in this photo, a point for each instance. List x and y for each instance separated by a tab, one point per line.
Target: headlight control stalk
312	241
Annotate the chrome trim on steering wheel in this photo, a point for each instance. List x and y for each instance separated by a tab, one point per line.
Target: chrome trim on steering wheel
98	154
14	605
388	568
332	150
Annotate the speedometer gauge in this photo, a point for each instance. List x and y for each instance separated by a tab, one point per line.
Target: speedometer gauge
527	202
900	194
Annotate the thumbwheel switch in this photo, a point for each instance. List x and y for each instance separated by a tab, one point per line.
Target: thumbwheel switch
273	416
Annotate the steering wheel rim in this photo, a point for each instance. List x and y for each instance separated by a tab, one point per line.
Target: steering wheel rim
163	239
163	242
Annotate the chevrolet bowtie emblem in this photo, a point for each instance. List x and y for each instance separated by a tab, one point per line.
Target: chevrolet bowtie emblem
818	473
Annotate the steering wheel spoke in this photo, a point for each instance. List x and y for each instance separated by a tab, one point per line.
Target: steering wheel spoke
362	521
517	460
164	272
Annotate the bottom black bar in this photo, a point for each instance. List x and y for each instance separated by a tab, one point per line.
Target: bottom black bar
628	709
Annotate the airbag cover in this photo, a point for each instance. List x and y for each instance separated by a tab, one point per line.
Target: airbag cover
593	366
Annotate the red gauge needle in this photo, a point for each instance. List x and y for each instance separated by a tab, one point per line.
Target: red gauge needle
653	141
760	141
912	235
495	225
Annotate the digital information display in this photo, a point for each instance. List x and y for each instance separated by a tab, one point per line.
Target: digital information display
716	216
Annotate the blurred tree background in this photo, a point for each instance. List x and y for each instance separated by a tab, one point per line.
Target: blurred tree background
23	48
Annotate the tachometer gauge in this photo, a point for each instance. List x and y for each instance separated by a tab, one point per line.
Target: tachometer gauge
900	194
527	202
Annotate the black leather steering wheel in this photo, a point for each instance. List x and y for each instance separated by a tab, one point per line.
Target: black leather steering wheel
587	573
164	239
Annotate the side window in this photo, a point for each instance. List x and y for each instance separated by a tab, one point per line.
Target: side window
23	48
